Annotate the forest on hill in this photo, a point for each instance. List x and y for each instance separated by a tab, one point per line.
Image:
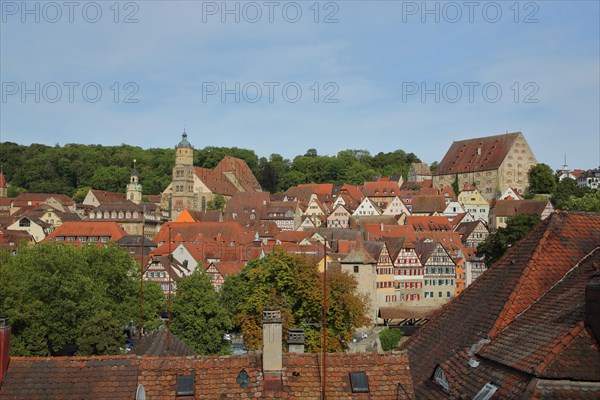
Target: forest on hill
74	168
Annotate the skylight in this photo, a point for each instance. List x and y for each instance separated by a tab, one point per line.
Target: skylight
359	382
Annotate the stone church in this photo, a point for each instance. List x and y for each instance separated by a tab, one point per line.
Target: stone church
193	187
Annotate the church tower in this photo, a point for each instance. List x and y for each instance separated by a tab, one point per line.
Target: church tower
3	186
134	188
183	178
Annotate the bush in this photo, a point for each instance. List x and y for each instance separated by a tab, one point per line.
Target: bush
389	338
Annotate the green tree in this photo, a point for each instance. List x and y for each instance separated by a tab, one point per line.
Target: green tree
541	179
589	202
80	194
455	186
50	291
294	285
566	190
100	335
496	244
389	338
197	316
434	166
218	203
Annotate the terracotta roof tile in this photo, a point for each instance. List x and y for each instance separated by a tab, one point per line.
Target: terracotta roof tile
428	204
479	154
489	307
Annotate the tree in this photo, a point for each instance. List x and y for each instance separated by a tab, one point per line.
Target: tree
496	244
100	335
590	202
434	166
455	186
389	338
51	291
541	179
197	317
566	190
217	203
294	285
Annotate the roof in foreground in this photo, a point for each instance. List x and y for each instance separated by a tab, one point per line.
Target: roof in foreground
117	377
522	319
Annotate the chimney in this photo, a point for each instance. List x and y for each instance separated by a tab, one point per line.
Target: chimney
295	340
479	151
272	353
4	345
272	340
592	309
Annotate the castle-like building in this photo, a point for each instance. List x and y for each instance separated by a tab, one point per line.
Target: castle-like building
193	187
492	163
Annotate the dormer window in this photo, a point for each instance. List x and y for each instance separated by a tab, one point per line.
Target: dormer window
486	392
439	377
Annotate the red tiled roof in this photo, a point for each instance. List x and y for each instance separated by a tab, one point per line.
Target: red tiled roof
510	208
88	228
107	197
502	296
117	377
318	188
292	236
428	204
353	191
36	199
479	154
228	231
227	268
381	189
242	204
429	223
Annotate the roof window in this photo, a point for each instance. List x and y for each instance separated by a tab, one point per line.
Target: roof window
359	382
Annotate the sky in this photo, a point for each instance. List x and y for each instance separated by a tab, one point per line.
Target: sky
283	77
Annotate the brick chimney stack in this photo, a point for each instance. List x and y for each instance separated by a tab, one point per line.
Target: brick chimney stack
4	345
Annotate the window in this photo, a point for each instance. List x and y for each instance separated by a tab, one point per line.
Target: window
113	215
185	385
440	378
359	382
104	239
24	223
486	392
356	269
93	239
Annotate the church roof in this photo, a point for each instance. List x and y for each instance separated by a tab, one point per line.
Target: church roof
184	142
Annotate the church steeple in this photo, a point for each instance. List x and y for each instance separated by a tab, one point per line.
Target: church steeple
182	185
134	188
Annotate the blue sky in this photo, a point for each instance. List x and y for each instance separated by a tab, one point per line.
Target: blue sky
374	75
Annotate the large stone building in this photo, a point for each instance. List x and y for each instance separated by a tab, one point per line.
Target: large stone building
193	187
493	163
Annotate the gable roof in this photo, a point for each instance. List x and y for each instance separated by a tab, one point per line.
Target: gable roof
240	207
215	377
104	196
478	154
428	204
155	345
380	189
88	228
495	300
510	208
